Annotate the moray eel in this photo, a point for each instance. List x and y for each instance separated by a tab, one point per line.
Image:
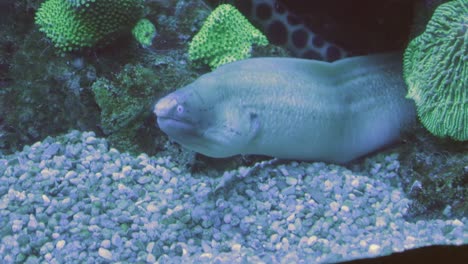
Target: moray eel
291	108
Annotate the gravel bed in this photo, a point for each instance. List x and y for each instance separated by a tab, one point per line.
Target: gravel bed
72	199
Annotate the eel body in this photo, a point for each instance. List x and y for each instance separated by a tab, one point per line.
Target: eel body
291	108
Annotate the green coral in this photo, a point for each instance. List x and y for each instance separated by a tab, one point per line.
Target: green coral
144	32
225	36
77	24
125	102
435	70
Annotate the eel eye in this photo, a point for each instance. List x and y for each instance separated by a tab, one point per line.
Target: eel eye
180	109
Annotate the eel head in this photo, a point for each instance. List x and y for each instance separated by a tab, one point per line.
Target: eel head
201	118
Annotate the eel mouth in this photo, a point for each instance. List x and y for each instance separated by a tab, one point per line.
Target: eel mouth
176	128
167	123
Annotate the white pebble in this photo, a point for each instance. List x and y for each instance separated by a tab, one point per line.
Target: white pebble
345	208
311	240
90	140
49	173
236	247
363	243
152	208
17	225
374	249
457	222
150	258
274	238
106	243
206	256
380	221
291	218
328	185
334	206
60	244
149	247
104	253
169	191
410	239
291	181
126	170
396	196
32	224
70	174
355	183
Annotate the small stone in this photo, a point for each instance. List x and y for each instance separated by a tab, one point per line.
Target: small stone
244	171
236	247
144	180
150	258
60	244
116	240
104	253
328	185
4	203
374	249
345	208
291	181
32	224
363	243
396	196
410	239
106	243
51	150
274	238
227	218
457	222
334	206
284	171
169	191
90	140
70	174
380	221
355	183
45	199
126	170
311	240
17	225
152	208
205	257
149	247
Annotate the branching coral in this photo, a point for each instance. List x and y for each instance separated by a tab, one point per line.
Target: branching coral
436	71
226	36
76	24
144	32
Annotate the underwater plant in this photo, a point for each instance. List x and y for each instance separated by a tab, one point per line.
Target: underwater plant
124	102
77	24
226	36
436	72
